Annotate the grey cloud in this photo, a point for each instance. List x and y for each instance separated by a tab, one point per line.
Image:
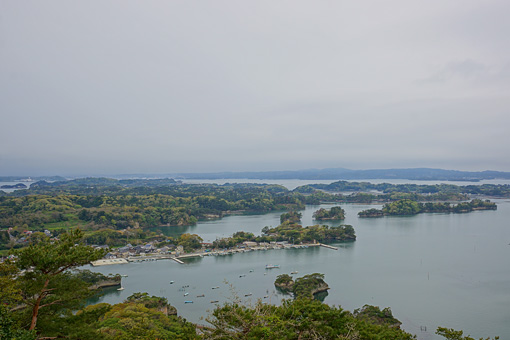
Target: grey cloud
126	86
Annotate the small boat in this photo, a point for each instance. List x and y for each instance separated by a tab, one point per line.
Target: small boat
249	294
121	288
186	294
172	282
251	270
242	275
214	301
294	272
124	275
203	295
215	287
188	301
265	297
271	266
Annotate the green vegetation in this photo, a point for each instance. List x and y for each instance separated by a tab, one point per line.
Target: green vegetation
451	334
41	298
309	285
97	280
97	204
408	207
291	217
294	319
295	233
284	282
236	239
335	213
494	190
304	287
44	279
290	231
376	315
142	317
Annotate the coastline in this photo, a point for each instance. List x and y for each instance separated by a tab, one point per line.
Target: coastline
156	257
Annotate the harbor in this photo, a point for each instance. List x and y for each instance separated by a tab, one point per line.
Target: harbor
178	257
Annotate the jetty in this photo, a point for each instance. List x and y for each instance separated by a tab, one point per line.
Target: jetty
177	260
328	246
106	262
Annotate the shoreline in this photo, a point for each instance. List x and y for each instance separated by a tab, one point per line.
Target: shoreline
179	257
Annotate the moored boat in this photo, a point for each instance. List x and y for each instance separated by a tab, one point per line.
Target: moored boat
271	266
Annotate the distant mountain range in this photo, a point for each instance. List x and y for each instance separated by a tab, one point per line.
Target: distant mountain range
342	173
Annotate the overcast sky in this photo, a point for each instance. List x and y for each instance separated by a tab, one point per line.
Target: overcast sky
105	87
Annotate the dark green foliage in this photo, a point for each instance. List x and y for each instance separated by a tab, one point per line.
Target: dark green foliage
498	190
295	233
8	329
149	301
451	334
291	217
283	278
376	315
306	286
190	242
142	318
408	207
371	213
284	283
100	203
335	213
402	207
294	319
92	278
45	279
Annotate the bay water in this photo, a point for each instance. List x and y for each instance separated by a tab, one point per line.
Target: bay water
449	270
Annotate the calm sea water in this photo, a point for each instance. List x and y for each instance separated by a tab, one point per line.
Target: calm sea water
433	270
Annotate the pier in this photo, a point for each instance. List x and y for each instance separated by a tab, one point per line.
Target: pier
328	246
106	262
177	260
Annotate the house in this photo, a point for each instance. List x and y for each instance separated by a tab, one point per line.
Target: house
163	250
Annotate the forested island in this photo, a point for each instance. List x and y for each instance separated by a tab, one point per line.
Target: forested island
435	191
409	207
290	231
303	287
335	213
13	186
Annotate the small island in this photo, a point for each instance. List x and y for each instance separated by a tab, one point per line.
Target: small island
304	287
335	213
14	186
377	316
408	208
290	232
296	233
